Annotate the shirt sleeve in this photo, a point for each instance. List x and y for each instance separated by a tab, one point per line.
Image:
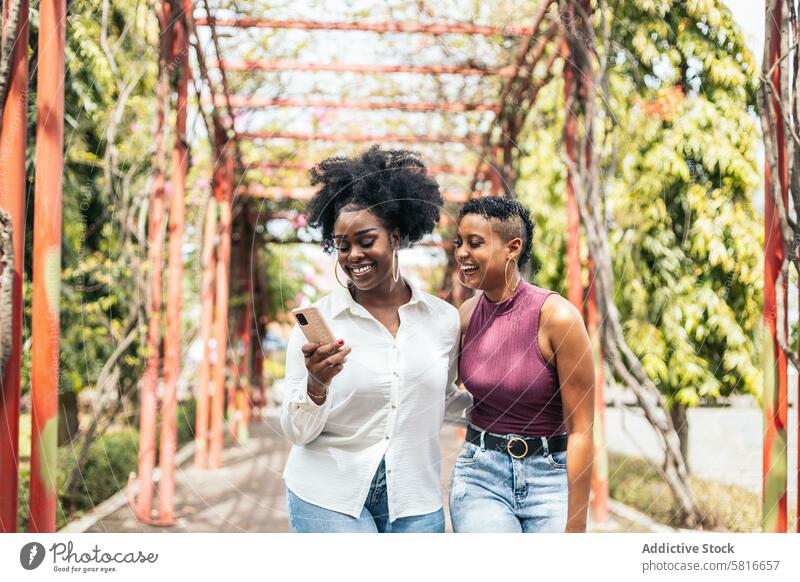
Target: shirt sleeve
302	420
458	402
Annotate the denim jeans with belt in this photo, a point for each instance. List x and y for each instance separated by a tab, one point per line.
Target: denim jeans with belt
306	517
492	492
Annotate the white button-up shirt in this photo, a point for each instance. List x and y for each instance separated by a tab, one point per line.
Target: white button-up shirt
388	402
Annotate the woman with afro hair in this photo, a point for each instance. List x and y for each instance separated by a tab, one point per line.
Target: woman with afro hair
526	359
364	413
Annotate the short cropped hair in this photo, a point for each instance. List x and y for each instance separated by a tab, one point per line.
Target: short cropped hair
513	218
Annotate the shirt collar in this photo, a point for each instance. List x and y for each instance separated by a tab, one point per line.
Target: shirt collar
341	300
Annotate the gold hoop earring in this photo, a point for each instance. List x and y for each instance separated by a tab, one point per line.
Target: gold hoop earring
505	276
395	266
336	274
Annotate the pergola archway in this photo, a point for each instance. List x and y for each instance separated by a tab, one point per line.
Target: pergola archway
551	42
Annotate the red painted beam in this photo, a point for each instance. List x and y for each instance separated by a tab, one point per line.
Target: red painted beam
402	27
45	326
295	165
245	102
12	200
307	192
289	65
360	138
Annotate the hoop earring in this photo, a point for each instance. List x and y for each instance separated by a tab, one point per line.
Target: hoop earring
336	274
505	276
395	266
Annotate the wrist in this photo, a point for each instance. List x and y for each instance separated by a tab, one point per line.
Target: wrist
317	391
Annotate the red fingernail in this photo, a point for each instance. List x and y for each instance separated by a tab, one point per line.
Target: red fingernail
341	342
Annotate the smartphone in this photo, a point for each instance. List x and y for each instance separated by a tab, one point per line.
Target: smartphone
313	325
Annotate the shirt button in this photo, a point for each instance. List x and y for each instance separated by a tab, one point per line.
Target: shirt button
387	437
394	404
396	374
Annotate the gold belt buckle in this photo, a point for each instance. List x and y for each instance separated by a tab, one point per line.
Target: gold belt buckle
509	445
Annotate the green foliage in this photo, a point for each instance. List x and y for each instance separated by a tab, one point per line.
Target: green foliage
99	289
288	278
187	410
274	370
638	483
111	459
677	149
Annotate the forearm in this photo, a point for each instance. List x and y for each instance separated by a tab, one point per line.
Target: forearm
580	451
305	407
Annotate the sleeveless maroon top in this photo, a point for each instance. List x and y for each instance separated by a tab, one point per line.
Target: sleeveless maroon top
515	390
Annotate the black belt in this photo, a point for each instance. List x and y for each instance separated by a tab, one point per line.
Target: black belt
518	447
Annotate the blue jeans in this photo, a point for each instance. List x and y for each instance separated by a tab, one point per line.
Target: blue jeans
306	517
492	492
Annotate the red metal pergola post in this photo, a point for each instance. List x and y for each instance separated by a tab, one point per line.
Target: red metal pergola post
148	409
223	192
775	401
172	339
600	465
237	329
12	200
574	285
245	385
206	325
45	327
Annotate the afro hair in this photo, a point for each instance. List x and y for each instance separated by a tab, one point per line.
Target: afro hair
392	184
514	218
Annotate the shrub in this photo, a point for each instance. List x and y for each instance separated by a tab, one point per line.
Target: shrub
111	459
187	410
727	508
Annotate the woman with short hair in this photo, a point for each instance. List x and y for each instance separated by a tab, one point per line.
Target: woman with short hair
527	360
365	413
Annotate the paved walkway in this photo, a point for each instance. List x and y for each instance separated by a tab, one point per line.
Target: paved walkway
247	493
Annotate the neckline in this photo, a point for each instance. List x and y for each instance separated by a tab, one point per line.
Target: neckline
507	305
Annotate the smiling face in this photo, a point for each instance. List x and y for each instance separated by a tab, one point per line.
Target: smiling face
364	247
482	253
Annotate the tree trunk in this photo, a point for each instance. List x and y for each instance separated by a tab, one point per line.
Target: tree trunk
681	422
67	417
584	172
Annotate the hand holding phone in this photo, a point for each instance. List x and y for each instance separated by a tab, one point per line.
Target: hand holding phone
313	325
324	355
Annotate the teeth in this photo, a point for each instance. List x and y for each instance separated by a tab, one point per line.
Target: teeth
468	267
360	270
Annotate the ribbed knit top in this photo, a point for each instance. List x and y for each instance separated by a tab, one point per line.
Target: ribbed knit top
515	390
